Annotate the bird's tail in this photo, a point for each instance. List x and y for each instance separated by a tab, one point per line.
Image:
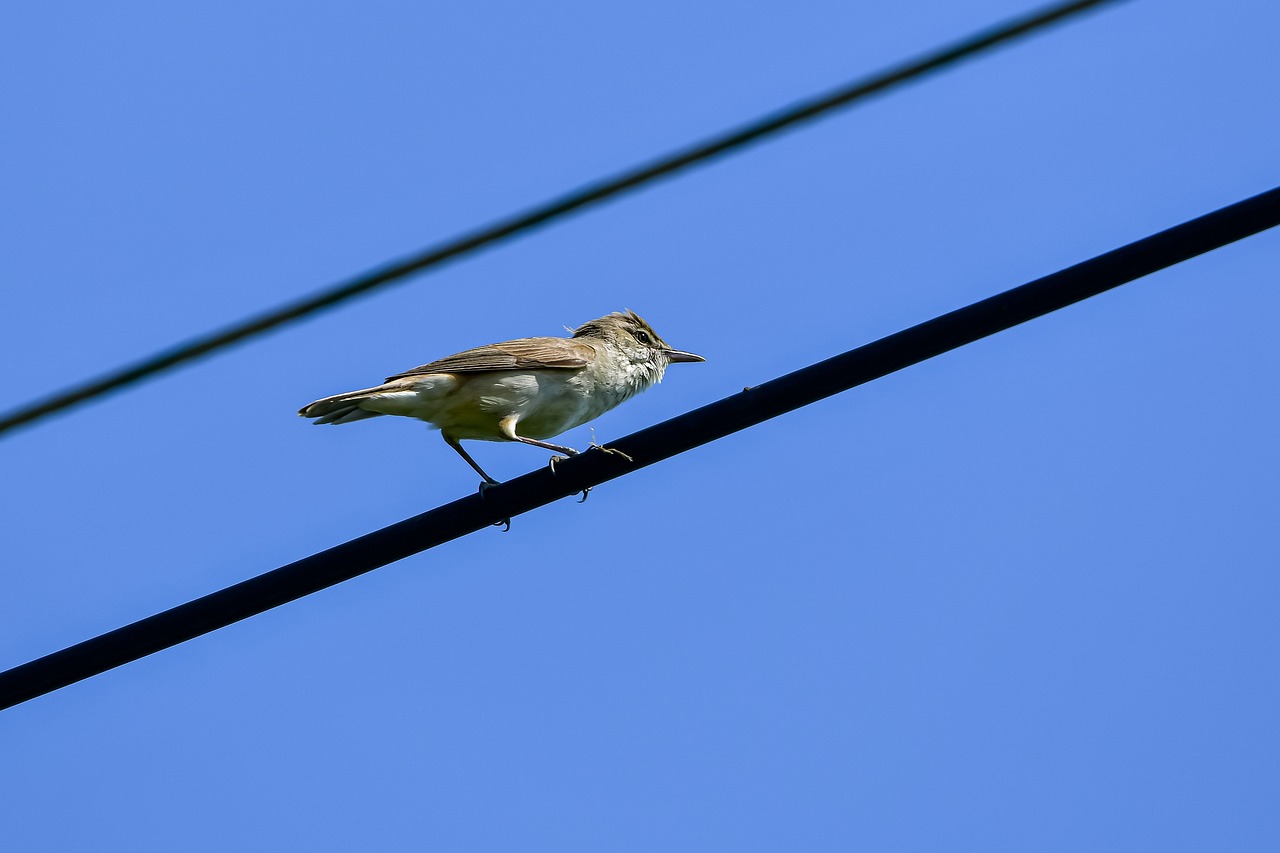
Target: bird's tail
340	409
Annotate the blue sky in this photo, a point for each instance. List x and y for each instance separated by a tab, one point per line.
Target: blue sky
1022	596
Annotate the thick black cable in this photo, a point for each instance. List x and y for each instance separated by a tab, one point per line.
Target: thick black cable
685	432
554	209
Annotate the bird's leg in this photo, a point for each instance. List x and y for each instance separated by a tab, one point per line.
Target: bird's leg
546	445
486	483
507	426
456	445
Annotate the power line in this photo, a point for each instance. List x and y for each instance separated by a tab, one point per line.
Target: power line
685	432
519	223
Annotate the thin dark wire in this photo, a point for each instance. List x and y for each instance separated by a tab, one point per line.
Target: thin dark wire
690	430
519	223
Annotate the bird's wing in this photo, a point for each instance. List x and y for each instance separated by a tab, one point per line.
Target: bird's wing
524	354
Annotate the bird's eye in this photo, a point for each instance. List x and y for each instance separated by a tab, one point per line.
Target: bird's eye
642	336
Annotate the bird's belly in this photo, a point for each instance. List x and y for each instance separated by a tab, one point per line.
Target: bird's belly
545	403
552	417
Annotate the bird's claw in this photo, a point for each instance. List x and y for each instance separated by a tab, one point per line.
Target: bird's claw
489	484
554	459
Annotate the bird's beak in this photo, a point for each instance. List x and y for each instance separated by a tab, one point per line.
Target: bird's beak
676	356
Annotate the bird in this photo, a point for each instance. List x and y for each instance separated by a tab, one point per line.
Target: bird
526	390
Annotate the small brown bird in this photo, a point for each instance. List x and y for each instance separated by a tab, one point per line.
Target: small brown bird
524	390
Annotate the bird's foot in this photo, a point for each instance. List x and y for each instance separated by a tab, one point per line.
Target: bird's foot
554	459
485	485
610	450
613	451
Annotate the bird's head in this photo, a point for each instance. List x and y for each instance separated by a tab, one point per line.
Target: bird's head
635	340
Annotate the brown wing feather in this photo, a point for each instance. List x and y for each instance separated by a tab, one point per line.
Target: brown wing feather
524	354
